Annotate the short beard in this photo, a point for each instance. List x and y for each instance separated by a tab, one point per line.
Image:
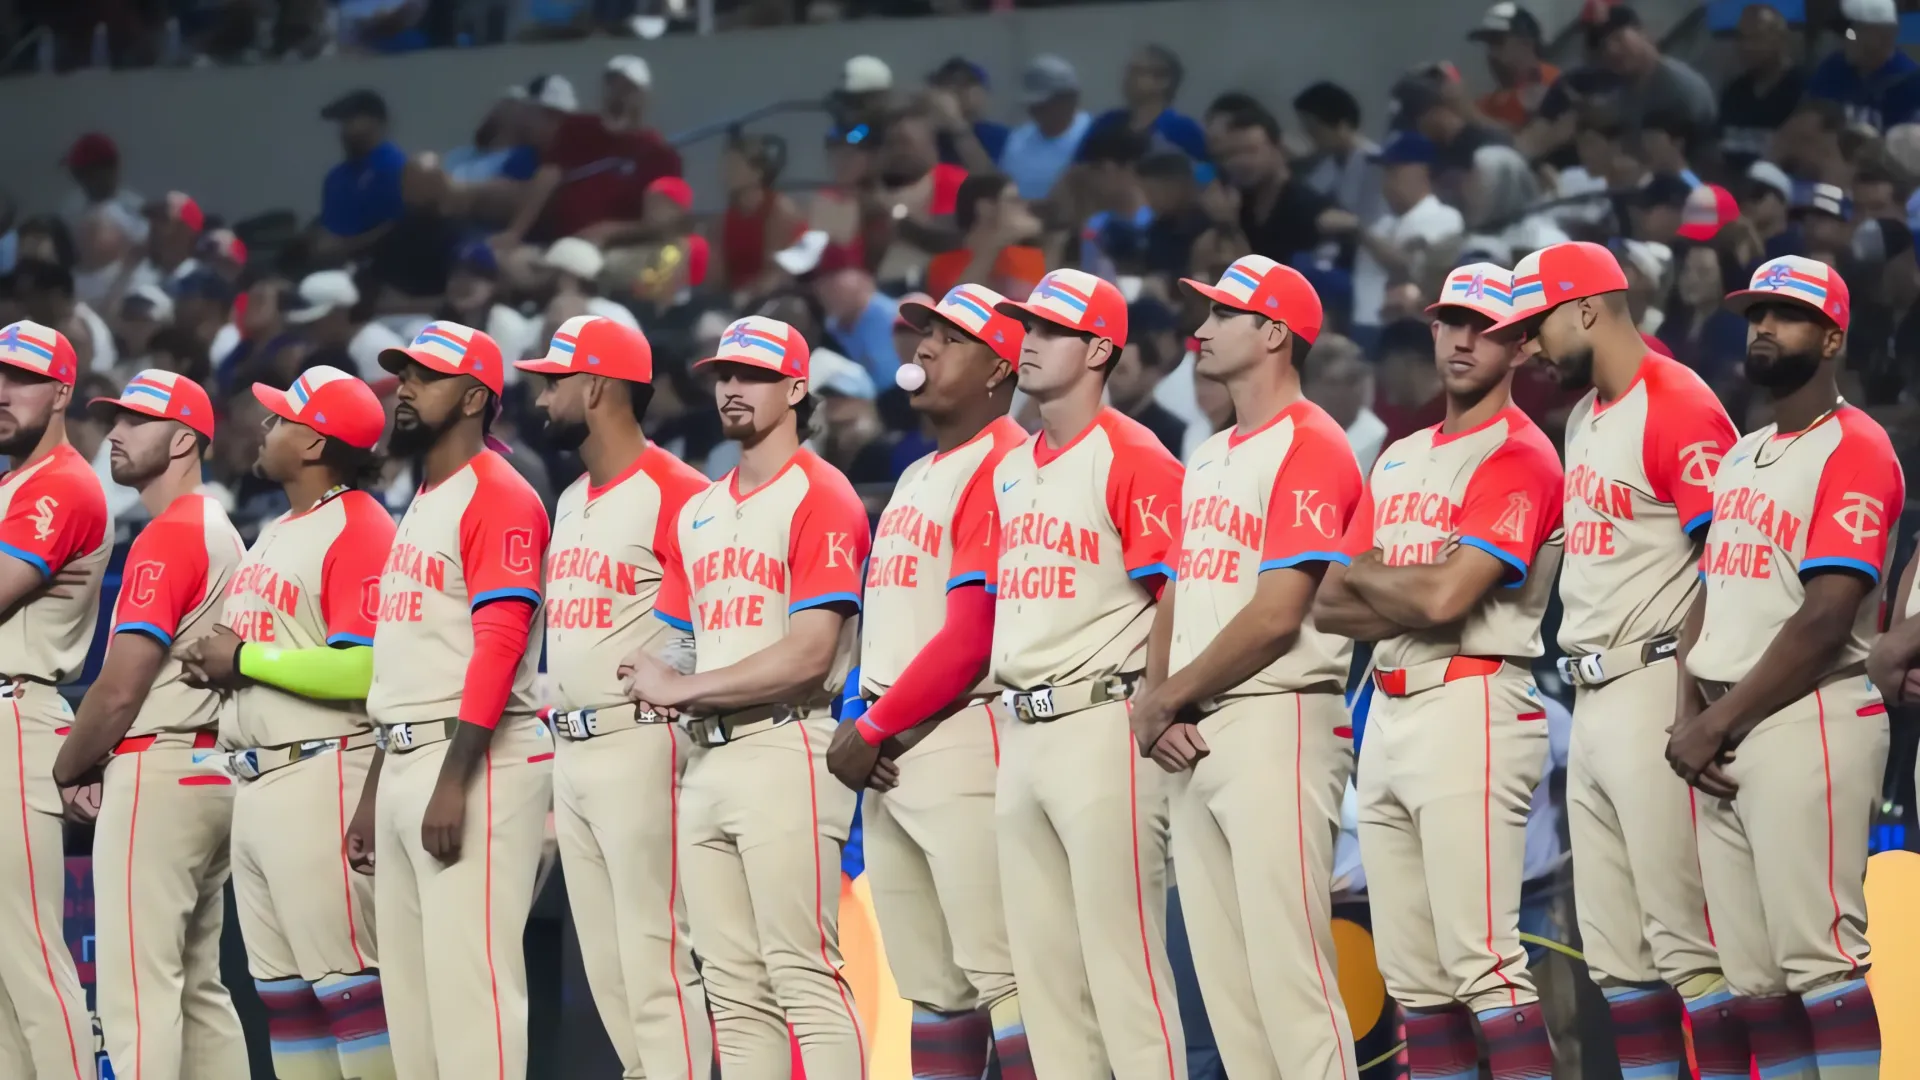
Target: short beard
1575	372
412	440
132	475
565	434
24	441
1787	373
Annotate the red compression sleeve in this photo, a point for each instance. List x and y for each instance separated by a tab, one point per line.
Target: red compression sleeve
941	671
500	631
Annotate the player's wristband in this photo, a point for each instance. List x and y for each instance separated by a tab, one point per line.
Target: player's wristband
323	673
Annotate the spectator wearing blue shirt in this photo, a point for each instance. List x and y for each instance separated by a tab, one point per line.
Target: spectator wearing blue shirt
1876	83
1152	79
1038	151
1113	240
961	103
360	198
859	317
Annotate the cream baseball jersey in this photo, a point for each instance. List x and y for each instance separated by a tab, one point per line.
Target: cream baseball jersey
938	532
1496	487
752	559
53	517
171	590
1084	531
477	536
1271	499
311	579
1784	506
611	547
1639	495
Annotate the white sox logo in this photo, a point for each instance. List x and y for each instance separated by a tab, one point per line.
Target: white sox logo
1698	463
1319	514
1859	515
43	516
517	553
839	550
1149	520
1513	520
144	582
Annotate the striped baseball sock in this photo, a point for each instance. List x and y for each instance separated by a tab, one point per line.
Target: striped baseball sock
297	1030
357	1016
1440	1044
1517	1043
1646	1031
1010	1039
1719	1035
1846	1030
950	1046
1781	1037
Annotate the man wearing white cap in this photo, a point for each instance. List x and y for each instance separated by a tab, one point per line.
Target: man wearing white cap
1869	76
323	308
1038	151
576	265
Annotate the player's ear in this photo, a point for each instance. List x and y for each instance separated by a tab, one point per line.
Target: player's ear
1099	351
796	392
1834	340
62	397
1002	371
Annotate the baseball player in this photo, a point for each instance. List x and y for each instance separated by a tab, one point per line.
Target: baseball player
616	776
1641	451
1777	722
926	633
768	582
455	805
1453	554
53	520
134	758
1252	717
294	646
1897	653
1087	509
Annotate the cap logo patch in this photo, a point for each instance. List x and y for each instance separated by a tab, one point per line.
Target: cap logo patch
1566	286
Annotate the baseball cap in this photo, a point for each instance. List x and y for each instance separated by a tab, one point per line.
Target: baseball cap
758	341
163	395
180	206
595	345
674	188
803	254
1618	18
222	244
956	68
975	311
1077	301
1799	280
451	349
1663	189
39	349
900	317
157	305
321	293
572	255
1413	97
1824	199
1765	174
477	257
1708	209
1545	279
631	68
1258	284
1506	18
1483	287
331	402
92	150
1870	12
1880	239
552	91
1652	258
1406	148
1047	77
833	375
866	75
356	103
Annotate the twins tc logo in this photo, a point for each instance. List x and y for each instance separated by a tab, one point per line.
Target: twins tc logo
1698	463
1860	516
1512	523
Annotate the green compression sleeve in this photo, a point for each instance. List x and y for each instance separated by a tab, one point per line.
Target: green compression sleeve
323	673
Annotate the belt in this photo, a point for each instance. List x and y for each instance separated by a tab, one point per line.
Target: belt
254	763
1598	669
200	740
13	686
401	738
578	724
723	729
1418	679
1712	691
1046	704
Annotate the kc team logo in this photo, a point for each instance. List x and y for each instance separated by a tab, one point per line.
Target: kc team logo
1860	516
1149	520
1317	514
839	550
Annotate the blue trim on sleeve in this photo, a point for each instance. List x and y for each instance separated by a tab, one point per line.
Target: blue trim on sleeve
677	624
1305	557
516	593
992	589
1704	519
1861	565
1505	557
825	599
27	557
1159	568
146	628
978	577
349	639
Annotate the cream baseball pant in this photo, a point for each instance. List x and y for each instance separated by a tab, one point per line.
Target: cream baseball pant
1083	863
1446	779
934	869
160	866
1636	881
762	824
451	967
46	1032
1785	860
616	811
1254	825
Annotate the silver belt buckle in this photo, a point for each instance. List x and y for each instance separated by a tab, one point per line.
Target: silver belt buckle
578	723
234	764
1030	704
394	737
1592	670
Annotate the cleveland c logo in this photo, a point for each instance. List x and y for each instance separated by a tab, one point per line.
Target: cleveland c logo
1859	516
145	581
516	551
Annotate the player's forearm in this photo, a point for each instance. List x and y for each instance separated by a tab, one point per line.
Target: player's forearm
1261	633
111	706
1337	609
793	669
1416	597
1792	666
1160	639
465	752
323	673
1689	701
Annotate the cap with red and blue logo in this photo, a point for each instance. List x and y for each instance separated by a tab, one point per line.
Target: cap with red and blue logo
163	395
758	341
1798	280
42	350
1483	287
595	345
974	310
1258	284
1077	301
1557	273
331	402
451	349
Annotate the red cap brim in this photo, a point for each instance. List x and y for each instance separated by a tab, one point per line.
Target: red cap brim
104	403
543	366
276	402
1214	295
747	361
1740	300
1698	232
37	371
395	361
1014	309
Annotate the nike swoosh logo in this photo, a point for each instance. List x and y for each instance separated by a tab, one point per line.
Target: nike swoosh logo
697	522
1738	460
1202	465
1393	464
1008	486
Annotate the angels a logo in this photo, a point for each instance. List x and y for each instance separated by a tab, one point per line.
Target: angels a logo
1860	516
1512	524
43	516
1698	463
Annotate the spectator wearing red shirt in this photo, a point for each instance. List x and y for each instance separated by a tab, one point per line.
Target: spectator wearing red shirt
759	220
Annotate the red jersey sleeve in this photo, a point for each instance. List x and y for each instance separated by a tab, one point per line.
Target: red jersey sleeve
1857	507
54	518
350	574
1687	434
1312	504
503	538
1143	500
670	603
1512	504
976	531
165	578
827	547
1358	539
